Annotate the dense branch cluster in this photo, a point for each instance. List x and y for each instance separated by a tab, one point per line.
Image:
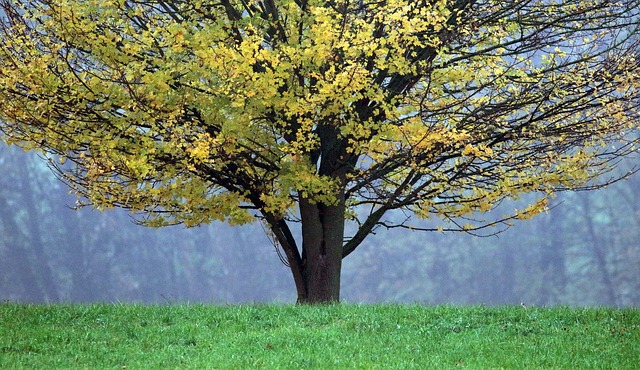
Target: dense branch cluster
193	111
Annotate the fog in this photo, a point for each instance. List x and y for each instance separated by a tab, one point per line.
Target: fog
584	252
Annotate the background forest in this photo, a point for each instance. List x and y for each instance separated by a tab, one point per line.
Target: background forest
585	252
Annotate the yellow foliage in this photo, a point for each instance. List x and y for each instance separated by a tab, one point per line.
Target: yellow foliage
203	110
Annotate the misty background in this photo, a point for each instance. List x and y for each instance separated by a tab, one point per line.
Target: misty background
584	252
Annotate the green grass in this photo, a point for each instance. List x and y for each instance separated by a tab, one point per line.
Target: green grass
296	337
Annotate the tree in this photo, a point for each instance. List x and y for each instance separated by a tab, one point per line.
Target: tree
25	260
321	113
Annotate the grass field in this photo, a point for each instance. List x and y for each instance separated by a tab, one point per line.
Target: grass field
322	337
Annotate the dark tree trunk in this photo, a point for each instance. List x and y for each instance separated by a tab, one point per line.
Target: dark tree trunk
316	266
322	239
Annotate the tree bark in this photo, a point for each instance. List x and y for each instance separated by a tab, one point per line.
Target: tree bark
285	238
322	239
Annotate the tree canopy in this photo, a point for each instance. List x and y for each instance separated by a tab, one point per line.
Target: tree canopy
321	112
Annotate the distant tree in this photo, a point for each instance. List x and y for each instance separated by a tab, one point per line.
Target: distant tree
321	112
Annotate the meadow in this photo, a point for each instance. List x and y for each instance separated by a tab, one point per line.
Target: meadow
109	336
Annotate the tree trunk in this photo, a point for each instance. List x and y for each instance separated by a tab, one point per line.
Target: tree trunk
316	269
322	238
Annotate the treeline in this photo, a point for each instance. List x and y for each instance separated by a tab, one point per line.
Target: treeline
583	252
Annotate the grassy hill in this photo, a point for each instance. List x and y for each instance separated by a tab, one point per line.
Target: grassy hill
320	337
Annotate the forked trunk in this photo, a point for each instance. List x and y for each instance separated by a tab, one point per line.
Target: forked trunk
322	238
316	270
